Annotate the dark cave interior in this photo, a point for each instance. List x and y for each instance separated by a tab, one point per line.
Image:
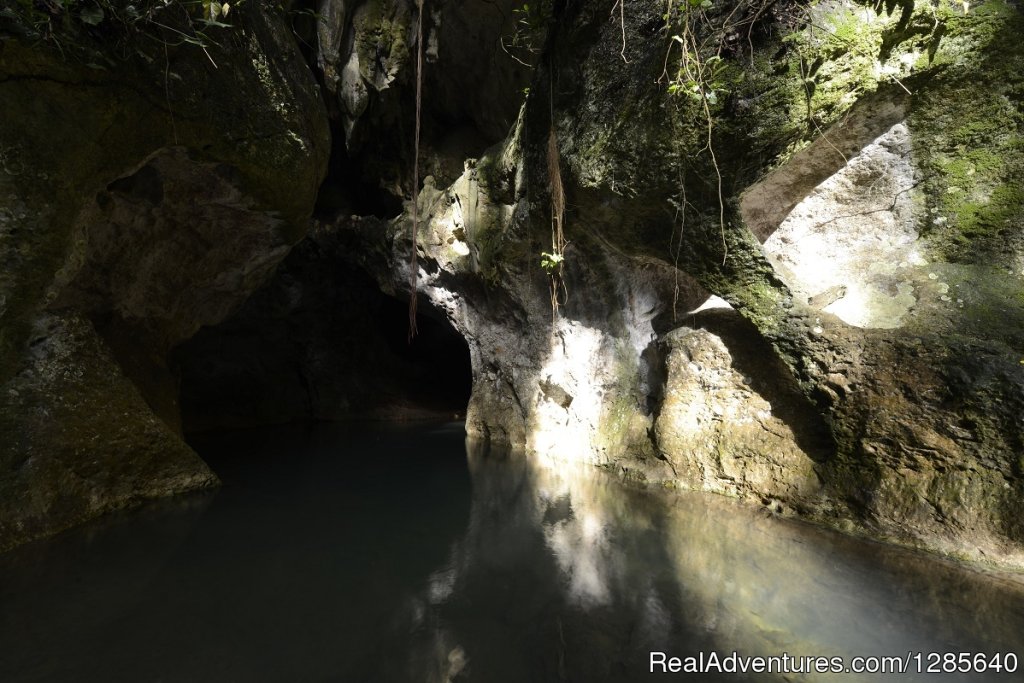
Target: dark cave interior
330	346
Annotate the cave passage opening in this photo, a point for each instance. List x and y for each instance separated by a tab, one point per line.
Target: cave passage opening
437	360
321	342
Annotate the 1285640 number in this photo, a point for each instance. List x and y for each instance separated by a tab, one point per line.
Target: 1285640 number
963	662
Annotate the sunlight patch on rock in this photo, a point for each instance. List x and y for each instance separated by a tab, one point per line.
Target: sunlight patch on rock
849	246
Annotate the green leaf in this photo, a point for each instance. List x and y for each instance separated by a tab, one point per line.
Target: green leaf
551	262
91	15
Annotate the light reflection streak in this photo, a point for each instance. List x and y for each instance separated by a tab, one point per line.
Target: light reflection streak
642	570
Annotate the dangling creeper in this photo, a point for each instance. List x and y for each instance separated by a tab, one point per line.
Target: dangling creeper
413	267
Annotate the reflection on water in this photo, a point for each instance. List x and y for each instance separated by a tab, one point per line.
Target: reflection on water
363	555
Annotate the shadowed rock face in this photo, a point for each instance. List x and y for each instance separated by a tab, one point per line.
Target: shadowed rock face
173	246
83	439
139	202
321	341
366	54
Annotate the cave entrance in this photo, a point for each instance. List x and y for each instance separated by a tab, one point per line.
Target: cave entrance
321	342
435	364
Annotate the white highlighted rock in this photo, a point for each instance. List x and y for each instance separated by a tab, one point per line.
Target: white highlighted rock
845	248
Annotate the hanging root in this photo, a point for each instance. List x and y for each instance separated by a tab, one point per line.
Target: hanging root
413	266
621	6
557	194
558	242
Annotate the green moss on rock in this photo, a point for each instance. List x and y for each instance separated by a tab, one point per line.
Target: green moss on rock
968	136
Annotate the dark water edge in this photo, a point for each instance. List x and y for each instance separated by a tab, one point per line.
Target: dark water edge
362	553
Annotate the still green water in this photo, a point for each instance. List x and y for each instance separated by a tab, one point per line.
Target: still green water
363	554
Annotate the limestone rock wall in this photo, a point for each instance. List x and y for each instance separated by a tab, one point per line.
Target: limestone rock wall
147	186
79	438
897	416
366	58
731	421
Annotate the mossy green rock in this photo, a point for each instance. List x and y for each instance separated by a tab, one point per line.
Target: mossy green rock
79	439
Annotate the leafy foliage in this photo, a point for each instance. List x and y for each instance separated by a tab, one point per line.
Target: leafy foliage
531	22
551	262
69	24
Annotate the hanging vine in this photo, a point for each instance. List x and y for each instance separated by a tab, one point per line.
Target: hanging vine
413	264
132	27
697	74
553	262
